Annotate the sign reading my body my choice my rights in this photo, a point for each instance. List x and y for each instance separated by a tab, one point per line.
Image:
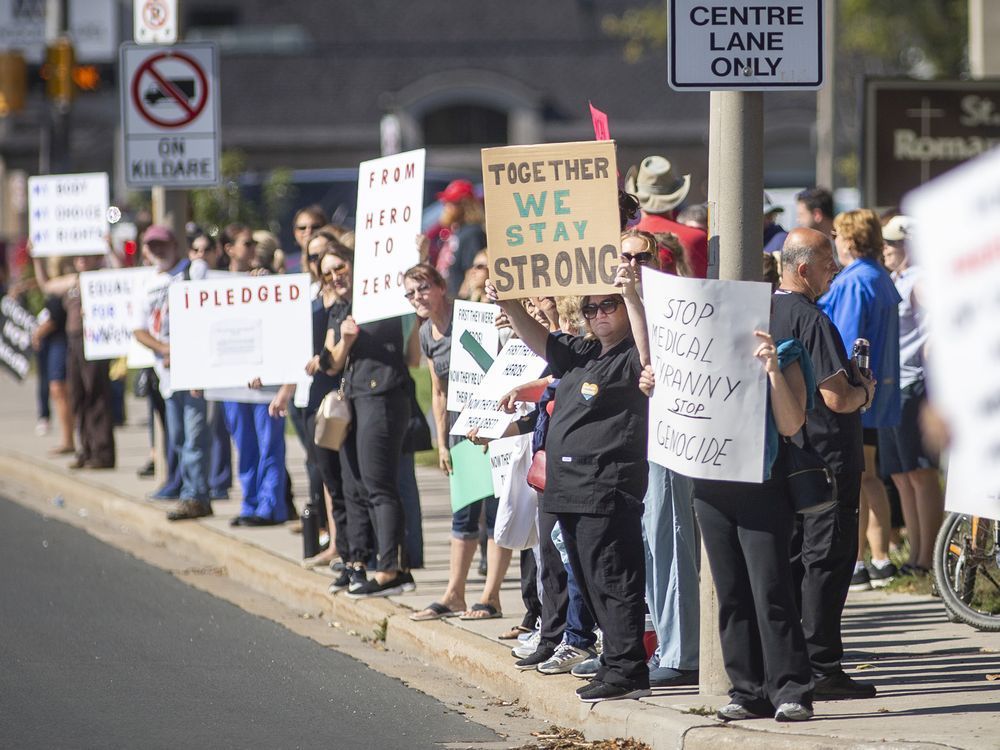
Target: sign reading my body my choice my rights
390	207
68	214
224	332
706	415
552	223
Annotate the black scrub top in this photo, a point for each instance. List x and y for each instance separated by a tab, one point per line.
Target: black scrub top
596	445
376	363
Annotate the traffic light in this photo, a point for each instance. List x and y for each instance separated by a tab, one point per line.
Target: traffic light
13	82
58	70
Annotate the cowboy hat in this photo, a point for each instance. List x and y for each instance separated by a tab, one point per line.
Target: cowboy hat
656	186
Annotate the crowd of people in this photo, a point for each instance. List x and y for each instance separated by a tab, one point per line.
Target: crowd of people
618	535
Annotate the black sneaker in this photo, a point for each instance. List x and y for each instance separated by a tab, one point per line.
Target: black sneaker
373	588
599	691
883	576
342	581
358	578
861	581
838	687
542	654
407	582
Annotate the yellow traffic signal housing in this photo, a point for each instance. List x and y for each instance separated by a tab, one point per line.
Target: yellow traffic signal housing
58	70
13	82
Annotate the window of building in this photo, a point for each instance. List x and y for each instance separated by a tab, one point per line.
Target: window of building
464	124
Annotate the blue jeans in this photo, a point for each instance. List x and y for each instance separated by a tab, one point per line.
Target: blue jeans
220	477
187	433
580	622
260	449
670	542
409	493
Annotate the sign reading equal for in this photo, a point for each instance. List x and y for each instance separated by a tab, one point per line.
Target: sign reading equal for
552	223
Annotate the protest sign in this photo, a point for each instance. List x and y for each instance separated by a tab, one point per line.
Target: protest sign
474	344
111	300
390	208
956	244
68	214
224	332
503	454
707	413
515	365
470	479
552	223
16	328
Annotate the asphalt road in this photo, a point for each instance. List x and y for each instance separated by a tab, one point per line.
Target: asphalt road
100	650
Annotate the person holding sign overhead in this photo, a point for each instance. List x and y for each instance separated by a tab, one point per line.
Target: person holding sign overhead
596	470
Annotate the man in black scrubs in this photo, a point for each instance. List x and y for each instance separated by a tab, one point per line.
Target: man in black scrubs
824	545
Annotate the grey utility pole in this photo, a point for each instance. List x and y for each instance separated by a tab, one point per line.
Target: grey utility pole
984	24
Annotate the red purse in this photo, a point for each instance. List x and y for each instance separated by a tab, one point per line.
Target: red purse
536	472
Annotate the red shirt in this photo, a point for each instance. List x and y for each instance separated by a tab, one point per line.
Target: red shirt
694	240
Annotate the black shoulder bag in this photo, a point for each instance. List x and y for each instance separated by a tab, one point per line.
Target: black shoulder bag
811	483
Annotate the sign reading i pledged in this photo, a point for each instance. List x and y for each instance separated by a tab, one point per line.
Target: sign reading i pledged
552	223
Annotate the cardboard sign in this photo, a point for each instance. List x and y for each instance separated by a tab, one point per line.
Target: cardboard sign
68	214
552	223
111	303
955	242
707	412
16	328
515	365
224	332
474	344
390	207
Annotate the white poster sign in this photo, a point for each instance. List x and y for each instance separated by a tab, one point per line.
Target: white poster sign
706	416
224	332
68	214
111	300
154	21
474	344
390	205
503	455
515	365
955	241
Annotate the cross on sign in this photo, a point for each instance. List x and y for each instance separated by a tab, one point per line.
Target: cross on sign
925	112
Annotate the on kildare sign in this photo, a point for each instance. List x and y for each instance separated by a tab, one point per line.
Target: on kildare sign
745	45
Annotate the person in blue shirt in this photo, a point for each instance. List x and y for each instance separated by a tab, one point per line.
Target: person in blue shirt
863	303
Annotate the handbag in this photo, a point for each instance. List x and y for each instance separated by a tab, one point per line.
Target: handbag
811	483
333	419
536	472
418	431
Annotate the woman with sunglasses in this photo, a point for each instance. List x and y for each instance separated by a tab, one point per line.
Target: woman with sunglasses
371	359
596	469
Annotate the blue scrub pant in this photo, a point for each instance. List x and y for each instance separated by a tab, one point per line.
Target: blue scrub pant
260	447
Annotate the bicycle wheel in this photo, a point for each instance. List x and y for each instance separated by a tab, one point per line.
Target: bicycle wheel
966	570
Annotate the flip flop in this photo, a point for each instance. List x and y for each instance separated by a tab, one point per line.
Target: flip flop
436	611
514	632
481	611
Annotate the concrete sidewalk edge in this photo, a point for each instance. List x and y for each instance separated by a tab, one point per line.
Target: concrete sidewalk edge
476	659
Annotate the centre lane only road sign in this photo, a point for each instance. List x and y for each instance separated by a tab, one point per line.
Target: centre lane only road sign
170	115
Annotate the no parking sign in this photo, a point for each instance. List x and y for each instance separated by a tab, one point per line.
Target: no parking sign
170	115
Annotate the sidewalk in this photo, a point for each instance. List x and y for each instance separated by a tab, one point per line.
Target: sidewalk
931	674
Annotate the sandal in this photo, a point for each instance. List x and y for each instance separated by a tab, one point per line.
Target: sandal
481	611
509	635
433	611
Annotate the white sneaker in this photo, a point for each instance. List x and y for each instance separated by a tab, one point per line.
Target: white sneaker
42	427
793	712
564	659
528	647
736	712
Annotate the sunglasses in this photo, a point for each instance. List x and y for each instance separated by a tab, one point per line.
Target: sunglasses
641	258
313	258
339	272
308	227
608	307
420	290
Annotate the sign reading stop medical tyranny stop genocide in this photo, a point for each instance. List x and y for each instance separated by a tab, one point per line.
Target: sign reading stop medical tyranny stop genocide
110	300
68	214
390	206
224	332
956	242
552	222
170	115
745	45
706	415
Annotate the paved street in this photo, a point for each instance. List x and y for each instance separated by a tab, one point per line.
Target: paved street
101	650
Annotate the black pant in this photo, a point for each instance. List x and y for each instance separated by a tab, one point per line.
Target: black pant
298	418
746	530
555	594
90	398
607	558
327	463
369	462
823	551
529	590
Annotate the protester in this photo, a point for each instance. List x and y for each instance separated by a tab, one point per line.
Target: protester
770	271
49	341
306	221
901	451
774	233
596	480
863	303
814	210
459	236
694	216
746	528
824	544
474	285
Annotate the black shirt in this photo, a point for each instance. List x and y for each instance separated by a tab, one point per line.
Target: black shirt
322	383
596	444
376	363
837	437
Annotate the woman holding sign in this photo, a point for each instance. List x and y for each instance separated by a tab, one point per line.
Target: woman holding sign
596	471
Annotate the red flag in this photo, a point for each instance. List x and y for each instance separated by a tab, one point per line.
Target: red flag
601	131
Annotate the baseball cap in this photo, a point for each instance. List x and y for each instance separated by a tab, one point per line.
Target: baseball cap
897	228
158	233
456	191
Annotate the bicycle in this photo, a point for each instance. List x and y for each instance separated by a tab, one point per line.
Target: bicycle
967	570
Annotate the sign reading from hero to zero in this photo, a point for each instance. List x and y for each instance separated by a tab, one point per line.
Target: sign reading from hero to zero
917	130
170	115
552	224
68	214
155	21
745	45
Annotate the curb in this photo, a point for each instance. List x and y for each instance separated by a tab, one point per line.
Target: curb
476	659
